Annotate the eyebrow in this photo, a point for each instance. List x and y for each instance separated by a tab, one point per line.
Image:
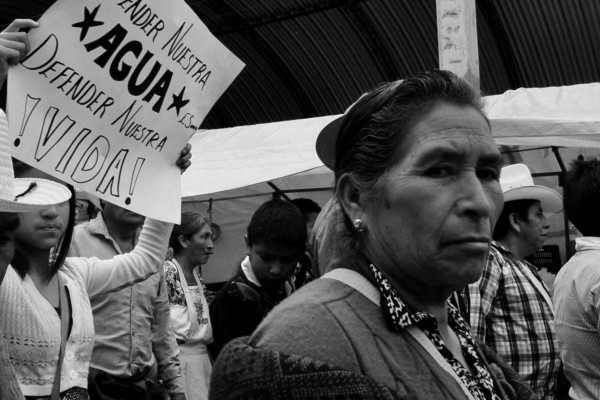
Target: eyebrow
450	154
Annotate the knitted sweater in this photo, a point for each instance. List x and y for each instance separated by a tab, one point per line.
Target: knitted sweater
336	324
31	326
9	387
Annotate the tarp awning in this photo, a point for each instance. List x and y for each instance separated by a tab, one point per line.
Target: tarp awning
225	159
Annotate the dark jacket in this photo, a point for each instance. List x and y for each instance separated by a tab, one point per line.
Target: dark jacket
238	308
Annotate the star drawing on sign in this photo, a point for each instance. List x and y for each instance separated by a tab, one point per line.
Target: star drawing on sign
89	21
178	101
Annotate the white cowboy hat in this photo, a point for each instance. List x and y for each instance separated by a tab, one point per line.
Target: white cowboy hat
24	194
517	184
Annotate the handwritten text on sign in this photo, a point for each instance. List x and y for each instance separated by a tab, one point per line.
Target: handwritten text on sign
110	93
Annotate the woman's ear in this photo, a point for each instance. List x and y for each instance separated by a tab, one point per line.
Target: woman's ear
183	241
349	197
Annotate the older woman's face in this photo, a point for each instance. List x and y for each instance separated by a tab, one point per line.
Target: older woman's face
433	222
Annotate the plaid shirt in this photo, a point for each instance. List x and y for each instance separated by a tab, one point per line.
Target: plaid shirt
509	313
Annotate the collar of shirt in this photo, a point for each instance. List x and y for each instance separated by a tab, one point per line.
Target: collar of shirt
247	270
587	243
97	226
399	317
518	263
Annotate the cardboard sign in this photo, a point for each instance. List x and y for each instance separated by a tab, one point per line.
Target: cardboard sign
109	94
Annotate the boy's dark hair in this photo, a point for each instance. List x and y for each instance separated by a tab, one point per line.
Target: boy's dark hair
278	221
519	207
306	206
581	197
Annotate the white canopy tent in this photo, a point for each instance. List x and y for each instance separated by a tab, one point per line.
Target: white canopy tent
239	168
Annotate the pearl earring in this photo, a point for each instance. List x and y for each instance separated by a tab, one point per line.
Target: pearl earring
358	225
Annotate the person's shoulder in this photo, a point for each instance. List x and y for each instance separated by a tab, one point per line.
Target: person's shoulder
169	267
229	292
582	270
325	317
72	270
319	300
322	291
87	231
498	258
81	228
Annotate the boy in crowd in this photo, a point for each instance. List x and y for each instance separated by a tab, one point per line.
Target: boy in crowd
276	240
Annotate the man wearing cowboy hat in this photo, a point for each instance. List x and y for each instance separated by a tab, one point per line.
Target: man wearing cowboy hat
510	307
16	195
577	285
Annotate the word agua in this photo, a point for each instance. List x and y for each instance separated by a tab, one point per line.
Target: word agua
142	16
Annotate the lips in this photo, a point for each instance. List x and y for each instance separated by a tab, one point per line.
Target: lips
50	227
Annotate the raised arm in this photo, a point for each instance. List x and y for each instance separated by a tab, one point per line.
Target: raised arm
103	276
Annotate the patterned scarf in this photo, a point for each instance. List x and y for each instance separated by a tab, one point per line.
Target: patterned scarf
399	317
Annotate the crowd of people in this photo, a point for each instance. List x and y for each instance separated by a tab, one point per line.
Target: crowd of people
412	282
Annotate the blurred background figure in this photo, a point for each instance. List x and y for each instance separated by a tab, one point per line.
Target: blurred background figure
310	211
87	206
577	286
192	244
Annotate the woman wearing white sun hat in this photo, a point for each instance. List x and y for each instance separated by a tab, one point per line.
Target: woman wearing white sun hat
46	302
16	195
510	306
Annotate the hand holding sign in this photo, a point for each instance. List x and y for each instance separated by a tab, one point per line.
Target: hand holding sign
185	157
109	94
13	45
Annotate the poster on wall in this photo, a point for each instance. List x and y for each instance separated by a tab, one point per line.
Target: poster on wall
109	94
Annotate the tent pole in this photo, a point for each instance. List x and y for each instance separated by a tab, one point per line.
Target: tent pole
457	39
278	192
561	177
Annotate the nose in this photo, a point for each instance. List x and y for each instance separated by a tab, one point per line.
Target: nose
545	222
276	269
50	212
480	199
209	244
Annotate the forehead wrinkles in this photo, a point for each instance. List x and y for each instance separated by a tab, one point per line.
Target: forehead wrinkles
448	118
454	138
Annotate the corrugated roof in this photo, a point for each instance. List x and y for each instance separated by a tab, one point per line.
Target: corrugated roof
307	58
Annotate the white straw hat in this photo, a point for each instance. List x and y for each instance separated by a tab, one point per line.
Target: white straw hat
24	194
517	184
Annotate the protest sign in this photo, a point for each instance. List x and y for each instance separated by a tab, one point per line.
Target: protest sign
109	94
